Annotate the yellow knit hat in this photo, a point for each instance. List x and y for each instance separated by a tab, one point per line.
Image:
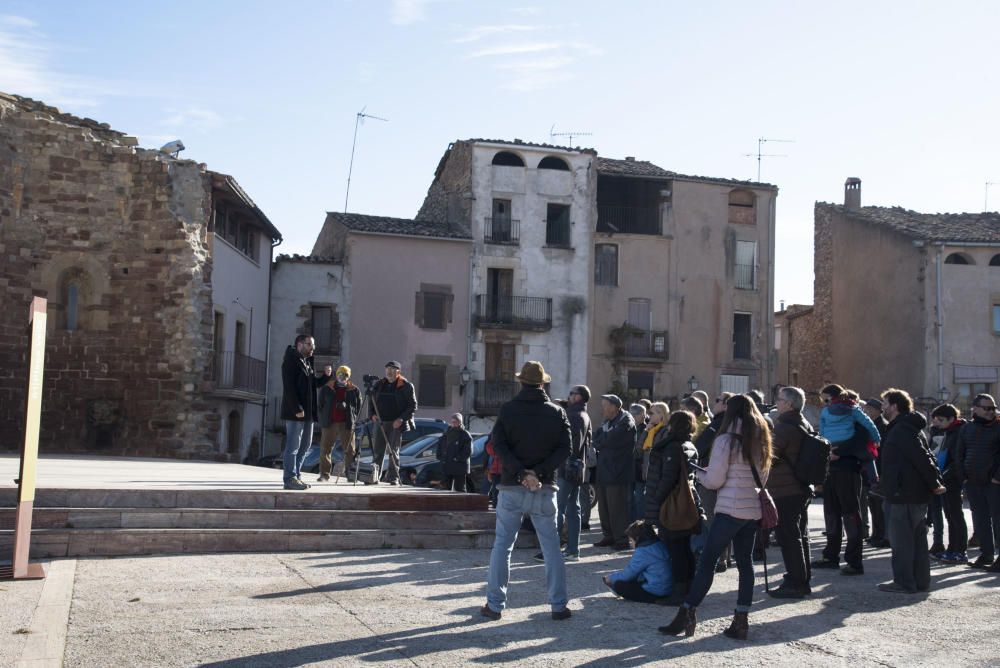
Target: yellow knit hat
344	369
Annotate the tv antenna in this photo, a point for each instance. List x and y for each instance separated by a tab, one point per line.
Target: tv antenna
986	196
359	119
760	154
553	134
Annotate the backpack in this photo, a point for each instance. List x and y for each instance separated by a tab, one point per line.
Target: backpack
813	463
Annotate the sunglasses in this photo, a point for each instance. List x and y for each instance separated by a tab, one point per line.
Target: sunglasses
988	408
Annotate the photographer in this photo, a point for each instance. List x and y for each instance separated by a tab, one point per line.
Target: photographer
394	402
339	405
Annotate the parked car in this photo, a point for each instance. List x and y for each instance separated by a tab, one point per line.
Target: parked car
432	472
364	436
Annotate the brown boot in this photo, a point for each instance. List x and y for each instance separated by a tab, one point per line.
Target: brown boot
738	629
684	622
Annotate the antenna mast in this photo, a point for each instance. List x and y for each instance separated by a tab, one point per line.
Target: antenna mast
759	154
359	119
986	196
553	134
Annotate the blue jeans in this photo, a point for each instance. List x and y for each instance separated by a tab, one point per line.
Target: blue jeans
514	503
298	438
741	533
569	514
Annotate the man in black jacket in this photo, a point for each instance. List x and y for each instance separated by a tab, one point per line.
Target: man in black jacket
298	406
569	490
909	479
339	405
979	458
394	401
454	451
532	439
944	439
614	443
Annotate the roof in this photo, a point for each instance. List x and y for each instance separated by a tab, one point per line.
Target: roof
306	259
953	227
358	222
528	144
647	170
228	184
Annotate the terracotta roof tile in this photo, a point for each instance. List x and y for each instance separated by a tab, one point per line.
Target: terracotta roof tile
402	226
972	227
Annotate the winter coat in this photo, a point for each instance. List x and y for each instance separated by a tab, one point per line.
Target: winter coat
650	567
298	387
638	470
395	401
614	442
664	475
944	448
703	443
531	433
454	451
979	451
327	398
732	476
836	422
909	474
581	435
789	430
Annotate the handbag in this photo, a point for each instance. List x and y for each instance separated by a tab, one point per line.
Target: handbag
575	470
679	512
768	511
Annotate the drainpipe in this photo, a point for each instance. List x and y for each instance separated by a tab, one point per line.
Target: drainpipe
466	401
940	318
267	350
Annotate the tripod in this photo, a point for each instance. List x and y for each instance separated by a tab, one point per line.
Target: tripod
376	466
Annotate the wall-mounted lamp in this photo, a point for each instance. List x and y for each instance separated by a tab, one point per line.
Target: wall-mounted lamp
464	377
693	384
944	394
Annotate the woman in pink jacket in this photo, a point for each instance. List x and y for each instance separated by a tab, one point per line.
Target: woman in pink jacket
742	446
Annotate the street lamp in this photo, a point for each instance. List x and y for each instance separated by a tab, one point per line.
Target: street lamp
464	376
692	384
944	393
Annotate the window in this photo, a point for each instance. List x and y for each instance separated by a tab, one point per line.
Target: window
995	260
508	159
734	384
433	307
72	305
325	330
959	258
741	336
431	391
996	318
557	225
218	333
741	207
640	385
551	162
232	227
240	340
606	265
746	265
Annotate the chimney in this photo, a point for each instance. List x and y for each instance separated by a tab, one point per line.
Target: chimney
852	192
629	158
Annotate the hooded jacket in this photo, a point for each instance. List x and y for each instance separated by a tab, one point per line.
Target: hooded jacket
909	474
951	471
837	420
298	387
531	433
664	474
581	435
979	451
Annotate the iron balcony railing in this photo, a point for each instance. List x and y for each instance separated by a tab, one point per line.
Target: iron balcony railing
512	312
648	344
490	395
746	276
629	219
505	231
235	371
557	233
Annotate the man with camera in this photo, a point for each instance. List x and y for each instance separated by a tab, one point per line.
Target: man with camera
393	403
339	405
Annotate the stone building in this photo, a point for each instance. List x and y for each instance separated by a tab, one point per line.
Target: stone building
123	243
683	282
905	299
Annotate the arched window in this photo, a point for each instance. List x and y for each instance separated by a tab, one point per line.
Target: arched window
552	162
508	159
959	258
741	207
74	296
995	260
234	425
72	305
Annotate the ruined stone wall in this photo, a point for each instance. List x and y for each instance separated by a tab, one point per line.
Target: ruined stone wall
85	215
446	197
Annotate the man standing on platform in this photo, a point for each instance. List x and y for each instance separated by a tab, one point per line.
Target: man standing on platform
298	406
339	405
394	403
532	438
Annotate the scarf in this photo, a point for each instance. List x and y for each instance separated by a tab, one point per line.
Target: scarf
647	444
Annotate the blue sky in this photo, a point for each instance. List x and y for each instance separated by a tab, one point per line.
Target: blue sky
903	95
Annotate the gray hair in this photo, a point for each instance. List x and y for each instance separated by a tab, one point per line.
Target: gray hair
794	396
637	410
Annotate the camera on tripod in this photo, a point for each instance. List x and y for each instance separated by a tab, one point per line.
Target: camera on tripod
370	380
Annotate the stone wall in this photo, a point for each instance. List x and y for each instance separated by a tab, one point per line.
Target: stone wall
86	217
446	198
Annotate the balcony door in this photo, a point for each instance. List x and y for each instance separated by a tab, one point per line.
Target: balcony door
500	295
500	365
501	232
640	317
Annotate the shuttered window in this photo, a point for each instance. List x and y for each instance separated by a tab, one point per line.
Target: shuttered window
326	330
606	265
432	390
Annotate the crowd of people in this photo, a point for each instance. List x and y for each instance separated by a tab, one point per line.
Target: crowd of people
691	491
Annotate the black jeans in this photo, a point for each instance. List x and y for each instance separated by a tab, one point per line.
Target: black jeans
792	533
911	566
458	481
875	507
632	591
612	504
681	558
842	509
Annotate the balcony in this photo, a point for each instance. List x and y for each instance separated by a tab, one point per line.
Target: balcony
511	312
238	376
629	220
502	231
490	395
632	343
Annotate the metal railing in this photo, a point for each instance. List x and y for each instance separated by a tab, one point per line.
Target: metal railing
629	219
557	233
490	395
234	371
745	276
505	231
513	312
645	344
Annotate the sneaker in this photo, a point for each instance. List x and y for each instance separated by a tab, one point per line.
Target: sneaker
295	484
571	556
994	567
955	558
893	588
302	482
851	570
720	566
826	563
489	613
787	592
982	562
561	614
936	551
605	542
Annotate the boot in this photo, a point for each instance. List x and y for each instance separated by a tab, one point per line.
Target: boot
684	622
738	629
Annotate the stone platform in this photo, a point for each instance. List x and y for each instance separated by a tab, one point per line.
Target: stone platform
105	506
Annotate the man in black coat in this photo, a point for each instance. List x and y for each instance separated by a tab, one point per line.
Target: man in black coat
909	479
531	438
394	401
298	406
454	451
614	443
979	458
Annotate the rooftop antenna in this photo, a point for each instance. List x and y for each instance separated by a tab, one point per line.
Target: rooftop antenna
361	116
986	196
553	134
760	154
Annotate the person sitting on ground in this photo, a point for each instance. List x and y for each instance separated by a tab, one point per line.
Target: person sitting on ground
647	578
454	451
